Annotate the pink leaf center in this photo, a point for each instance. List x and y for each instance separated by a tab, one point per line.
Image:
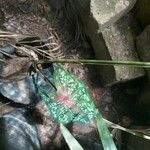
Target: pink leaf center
63	97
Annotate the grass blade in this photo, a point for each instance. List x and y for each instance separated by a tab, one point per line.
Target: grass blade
70	140
107	140
130	131
98	62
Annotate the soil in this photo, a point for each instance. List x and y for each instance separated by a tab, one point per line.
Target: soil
35	17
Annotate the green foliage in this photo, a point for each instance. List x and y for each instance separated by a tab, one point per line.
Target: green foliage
72	103
107	141
70	140
99	62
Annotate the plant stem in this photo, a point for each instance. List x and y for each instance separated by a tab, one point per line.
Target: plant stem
98	62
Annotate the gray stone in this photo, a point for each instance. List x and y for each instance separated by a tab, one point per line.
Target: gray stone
116	43
106	12
20	130
7	48
25	91
143	46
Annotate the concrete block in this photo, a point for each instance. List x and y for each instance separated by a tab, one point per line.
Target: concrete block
106	12
116	42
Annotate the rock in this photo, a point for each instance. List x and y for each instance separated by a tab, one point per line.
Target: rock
143	13
116	43
143	46
20	131
7	48
106	12
25	91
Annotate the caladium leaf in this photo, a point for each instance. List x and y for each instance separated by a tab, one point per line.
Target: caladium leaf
71	102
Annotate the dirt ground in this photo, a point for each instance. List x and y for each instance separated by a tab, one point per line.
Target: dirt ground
35	17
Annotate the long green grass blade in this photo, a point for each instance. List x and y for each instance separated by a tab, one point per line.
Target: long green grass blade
107	140
71	141
98	62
